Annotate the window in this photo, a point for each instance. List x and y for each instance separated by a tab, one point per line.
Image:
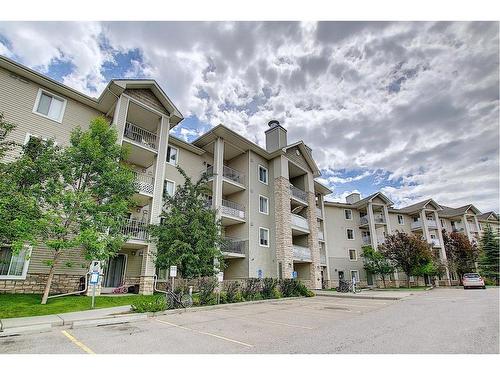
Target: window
355	274
263	205
263	177
13	266
168	188
49	105
350	234
401	220
264	237
348	214
353	255
172	154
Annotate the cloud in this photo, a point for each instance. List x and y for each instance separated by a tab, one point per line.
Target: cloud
415	101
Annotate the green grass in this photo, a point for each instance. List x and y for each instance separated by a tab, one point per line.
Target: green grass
19	305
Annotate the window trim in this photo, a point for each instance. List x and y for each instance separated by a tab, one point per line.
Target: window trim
25	267
176	160
353	235
37	102
164	184
402	219
267	205
345	210
268	236
259	166
355	253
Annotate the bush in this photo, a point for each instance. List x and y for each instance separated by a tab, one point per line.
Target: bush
251	289
223	298
143	305
233	292
268	286
207	287
294	288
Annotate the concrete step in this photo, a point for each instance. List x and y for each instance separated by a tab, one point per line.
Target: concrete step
127	318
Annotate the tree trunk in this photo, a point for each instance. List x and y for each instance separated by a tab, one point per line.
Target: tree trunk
383	280
49	283
408	281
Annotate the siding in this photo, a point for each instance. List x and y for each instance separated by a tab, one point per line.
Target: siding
297	159
147	97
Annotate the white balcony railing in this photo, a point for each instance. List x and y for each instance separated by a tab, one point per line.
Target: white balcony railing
233	209
319	213
378	219
300	221
228	173
298	193
301	253
140	135
418	224
321	236
144	183
135	229
322	256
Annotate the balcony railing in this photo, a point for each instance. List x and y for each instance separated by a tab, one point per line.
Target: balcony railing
228	173
140	135
319	213
418	224
435	242
298	193
135	229
366	240
321	236
234	245
301	253
144	183
322	256
378	219
233	209
300	221
472	227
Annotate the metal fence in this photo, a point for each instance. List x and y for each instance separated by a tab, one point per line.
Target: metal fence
298	193
135	229
140	135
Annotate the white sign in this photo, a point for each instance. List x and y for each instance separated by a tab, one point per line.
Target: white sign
94	278
173	271
220	276
95	266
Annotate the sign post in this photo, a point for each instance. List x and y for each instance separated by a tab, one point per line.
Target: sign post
95	269
173	274
220	278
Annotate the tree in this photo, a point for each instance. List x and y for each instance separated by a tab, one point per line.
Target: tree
82	192
189	234
489	258
376	263
407	252
461	254
5	129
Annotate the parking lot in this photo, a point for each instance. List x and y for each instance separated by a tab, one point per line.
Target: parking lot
438	321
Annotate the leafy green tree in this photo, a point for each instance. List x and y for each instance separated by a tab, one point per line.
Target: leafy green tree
461	254
5	129
189	234
376	263
81	194
489	258
407	252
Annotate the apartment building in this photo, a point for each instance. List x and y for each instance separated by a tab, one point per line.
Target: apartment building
270	206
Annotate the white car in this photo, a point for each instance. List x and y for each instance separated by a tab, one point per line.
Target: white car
472	280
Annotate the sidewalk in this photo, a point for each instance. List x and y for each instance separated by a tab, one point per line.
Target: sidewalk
370	294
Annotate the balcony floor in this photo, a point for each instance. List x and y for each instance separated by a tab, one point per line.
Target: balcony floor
139	154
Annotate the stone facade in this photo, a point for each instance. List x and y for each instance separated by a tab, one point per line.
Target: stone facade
284	244
312	242
146	285
35	284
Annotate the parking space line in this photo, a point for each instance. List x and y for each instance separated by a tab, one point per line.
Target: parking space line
81	345
266	321
205	333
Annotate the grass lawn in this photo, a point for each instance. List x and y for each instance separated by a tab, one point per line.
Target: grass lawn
19	305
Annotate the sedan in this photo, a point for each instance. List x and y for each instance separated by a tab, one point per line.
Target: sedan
473	280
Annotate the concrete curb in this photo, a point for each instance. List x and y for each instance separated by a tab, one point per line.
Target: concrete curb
16	331
119	319
357	296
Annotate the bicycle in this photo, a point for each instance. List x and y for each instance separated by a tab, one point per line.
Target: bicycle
178	300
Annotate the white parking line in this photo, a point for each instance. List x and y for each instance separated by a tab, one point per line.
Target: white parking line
264	320
205	333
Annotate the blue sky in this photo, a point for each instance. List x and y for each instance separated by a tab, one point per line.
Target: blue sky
408	108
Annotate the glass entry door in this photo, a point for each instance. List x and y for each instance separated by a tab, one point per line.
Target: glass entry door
114	271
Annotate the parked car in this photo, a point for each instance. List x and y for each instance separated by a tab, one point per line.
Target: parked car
472	280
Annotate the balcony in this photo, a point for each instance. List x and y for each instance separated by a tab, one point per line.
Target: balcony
143	143
144	183
435	242
366	240
322	257
232	212
140	135
234	248
301	254
298	194
321	236
417	225
319	213
299	225
472	228
378	219
232	179
134	230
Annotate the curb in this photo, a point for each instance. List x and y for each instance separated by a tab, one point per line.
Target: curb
119	319
353	296
16	331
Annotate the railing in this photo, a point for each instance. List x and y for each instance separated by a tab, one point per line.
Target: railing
472	227
381	240
135	229
233	209
322	256
418	224
435	242
380	219
321	236
366	240
319	213
209	171
363	220
300	221
233	175
140	135
298	193
301	253
144	183
234	245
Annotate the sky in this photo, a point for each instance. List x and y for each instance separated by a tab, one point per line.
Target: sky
407	108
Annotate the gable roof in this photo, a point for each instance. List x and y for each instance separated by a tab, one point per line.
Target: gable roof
361	202
488	216
460	211
419	206
306	153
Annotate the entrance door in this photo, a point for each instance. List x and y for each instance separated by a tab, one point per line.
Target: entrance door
114	271
369	278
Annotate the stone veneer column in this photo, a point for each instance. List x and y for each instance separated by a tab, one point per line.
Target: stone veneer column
283	217
442	251
312	242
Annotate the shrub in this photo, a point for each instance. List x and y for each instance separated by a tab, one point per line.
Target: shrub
143	304
207	287
294	288
268	287
276	294
223	297
252	287
233	292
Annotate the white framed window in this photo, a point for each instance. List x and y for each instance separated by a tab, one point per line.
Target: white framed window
168	188
49	105
172	155
355	274
264	237
349	233
401	220
263	174
353	254
13	266
263	205
348	214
